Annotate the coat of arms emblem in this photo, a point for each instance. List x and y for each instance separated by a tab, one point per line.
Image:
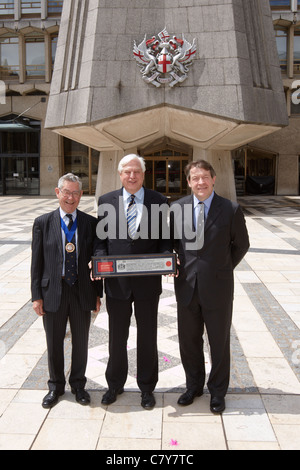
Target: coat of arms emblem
165	60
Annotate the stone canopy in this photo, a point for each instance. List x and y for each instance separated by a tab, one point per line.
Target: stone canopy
233	93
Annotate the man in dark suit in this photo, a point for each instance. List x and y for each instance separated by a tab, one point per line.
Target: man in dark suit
141	291
62	246
211	238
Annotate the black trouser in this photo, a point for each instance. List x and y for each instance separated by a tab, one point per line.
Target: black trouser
55	324
119	312
191	322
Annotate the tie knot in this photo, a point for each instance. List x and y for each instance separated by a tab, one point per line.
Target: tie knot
70	220
132	201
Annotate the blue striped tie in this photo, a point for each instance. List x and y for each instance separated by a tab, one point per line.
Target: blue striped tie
131	217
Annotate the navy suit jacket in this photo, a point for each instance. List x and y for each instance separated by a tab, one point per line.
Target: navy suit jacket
225	244
142	287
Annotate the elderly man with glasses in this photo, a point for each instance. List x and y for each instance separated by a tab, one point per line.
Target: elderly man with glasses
62	246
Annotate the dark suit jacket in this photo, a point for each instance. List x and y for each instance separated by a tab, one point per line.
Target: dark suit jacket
142	287
225	244
47	261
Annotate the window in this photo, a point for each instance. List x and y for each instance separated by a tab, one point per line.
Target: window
55	7
35	55
280	4
254	171
281	41
83	162
7	8
19	156
165	172
30	9
9	53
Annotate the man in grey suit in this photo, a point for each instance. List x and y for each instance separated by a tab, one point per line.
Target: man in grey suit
62	246
211	238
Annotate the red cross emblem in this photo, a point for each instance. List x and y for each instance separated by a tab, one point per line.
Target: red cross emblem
163	61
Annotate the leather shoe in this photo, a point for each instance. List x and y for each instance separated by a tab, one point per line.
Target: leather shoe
51	399
111	396
217	405
82	396
148	400
188	397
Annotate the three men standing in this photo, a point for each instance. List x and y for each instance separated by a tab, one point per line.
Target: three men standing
210	237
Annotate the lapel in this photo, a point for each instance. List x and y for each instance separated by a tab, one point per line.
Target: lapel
148	198
117	202
80	230
57	230
214	212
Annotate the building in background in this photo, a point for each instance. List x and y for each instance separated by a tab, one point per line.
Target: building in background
271	165
95	56
31	157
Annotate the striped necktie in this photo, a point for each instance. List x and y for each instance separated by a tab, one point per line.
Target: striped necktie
131	217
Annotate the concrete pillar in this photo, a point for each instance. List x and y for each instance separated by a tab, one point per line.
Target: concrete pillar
108	176
288	175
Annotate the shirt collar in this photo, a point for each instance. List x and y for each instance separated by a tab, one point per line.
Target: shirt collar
63	213
207	202
139	195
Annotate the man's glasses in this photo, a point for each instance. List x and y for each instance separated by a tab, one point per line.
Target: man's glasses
66	193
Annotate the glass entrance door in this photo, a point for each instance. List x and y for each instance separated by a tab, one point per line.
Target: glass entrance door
19	176
165	174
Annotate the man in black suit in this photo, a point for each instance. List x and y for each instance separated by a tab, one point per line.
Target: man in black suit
62	246
211	238
141	291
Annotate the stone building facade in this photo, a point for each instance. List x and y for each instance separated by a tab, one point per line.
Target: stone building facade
230	108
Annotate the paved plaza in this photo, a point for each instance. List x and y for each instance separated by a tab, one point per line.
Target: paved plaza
263	403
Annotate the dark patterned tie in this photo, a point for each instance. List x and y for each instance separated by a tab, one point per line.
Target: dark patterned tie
70	257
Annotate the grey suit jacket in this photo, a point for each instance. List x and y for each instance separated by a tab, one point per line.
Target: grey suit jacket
226	242
47	261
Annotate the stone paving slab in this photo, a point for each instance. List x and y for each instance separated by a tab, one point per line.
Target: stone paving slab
263	403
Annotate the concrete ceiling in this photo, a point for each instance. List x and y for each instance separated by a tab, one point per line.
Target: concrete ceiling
142	128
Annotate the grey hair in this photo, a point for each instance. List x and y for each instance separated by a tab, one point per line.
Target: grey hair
128	158
69	177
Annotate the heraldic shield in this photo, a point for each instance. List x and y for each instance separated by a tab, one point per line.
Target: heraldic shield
165	60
